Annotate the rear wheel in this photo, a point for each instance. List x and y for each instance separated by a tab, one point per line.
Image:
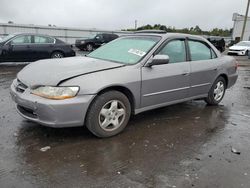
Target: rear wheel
57	55
109	114
216	92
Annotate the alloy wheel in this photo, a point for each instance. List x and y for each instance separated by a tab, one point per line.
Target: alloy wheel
112	115
219	91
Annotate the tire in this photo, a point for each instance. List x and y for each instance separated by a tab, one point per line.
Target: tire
57	55
217	92
109	114
89	47
247	53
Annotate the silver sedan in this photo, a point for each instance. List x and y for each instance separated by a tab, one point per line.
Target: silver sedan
130	75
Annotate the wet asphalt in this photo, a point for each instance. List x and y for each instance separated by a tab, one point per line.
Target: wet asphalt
183	145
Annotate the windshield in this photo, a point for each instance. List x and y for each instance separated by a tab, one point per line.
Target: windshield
128	50
4	39
243	44
98	37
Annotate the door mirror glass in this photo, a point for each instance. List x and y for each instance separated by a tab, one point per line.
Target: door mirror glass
158	60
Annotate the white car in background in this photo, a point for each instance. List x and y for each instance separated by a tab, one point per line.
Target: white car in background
241	48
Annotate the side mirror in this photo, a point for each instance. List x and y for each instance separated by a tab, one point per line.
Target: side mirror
158	60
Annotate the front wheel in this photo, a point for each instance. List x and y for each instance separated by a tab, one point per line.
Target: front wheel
216	92
109	114
89	47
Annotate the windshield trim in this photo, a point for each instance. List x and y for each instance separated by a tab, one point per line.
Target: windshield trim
140	58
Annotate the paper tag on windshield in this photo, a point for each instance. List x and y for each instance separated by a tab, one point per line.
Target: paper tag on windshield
137	52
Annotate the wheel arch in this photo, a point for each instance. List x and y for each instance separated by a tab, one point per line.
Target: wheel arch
223	75
121	89
57	50
127	92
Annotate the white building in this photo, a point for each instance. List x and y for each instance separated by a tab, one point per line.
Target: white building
238	26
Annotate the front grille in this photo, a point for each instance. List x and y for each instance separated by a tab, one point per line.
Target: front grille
26	111
236	50
20	87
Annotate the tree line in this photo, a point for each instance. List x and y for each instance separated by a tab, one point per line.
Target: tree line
192	30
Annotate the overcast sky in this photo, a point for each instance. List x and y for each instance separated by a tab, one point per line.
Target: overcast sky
121	14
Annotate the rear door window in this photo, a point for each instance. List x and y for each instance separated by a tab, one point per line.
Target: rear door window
200	51
43	40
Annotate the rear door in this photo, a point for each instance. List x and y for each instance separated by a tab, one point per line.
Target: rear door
42	47
170	82
203	67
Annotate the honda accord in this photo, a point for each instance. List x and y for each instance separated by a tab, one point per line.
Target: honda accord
129	75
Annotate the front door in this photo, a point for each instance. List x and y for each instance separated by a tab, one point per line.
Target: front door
162	84
19	49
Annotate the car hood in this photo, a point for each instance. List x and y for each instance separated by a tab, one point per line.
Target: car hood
53	71
238	48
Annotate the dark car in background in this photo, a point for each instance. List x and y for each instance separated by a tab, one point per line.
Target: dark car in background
31	47
218	42
97	41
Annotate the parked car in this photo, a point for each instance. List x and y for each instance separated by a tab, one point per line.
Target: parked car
97	41
32	47
129	75
241	48
218	42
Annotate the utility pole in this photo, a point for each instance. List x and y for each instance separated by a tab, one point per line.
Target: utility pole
245	21
136	23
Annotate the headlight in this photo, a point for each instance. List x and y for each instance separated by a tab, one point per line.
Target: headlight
56	93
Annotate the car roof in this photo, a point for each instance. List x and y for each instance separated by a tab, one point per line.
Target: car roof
38	34
152	31
168	35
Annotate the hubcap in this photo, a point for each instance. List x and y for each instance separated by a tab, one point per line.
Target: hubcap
89	47
219	91
112	115
57	55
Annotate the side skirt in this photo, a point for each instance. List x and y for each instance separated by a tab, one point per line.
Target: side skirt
140	110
